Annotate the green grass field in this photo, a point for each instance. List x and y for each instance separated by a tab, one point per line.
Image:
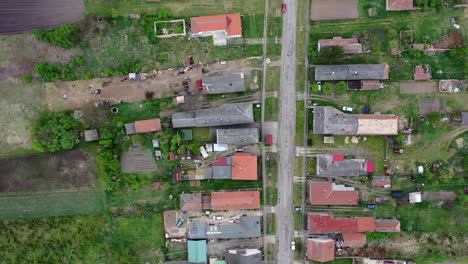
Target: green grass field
271	226
51	204
298	221
252	26
300	122
297	193
271	108
271	196
177	7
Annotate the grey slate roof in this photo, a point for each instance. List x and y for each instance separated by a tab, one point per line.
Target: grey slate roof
243	256
222	172
227	83
130	128
91	135
350	72
197	230
327	167
381	178
328	120
237	136
464	118
244	227
190	202
227	114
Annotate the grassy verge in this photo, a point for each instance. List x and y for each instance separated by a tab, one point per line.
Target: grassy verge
298	221
272	169
271	108
257	112
271	226
300	123
271	196
312	166
271	251
298	163
298	251
273	79
297	193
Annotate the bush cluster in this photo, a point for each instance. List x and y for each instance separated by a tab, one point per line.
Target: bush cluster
65	36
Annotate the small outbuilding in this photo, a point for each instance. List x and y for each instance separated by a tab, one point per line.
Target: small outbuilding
422	72
415	197
197	251
91	135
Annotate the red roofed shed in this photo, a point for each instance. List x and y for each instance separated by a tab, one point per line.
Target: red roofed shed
370	166
171	156
222	161
231	23
354	240
235	200
149	125
269	139
338	157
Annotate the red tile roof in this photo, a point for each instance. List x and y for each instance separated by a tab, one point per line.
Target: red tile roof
235	200
222	161
387	225
320	249
268	139
338	157
322	193
230	22
370	166
328	224
395	5
244	167
420	74
171	156
381	183
354	240
149	125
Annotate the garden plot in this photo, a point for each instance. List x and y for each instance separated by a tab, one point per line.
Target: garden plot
138	159
68	170
415	87
334	9
73	95
171	28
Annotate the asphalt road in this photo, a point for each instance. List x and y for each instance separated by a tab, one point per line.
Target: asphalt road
287	126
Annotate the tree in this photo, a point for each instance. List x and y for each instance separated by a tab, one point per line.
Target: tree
392	34
48	72
332	54
54	131
65	36
194	148
459	51
175	142
327	88
315	88
341	87
446	174
415	53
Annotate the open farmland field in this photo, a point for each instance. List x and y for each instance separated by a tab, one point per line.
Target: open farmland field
51	204
69	170
334	9
83	239
19	104
177	7
23	16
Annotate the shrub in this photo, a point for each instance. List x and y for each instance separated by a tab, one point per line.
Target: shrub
79	60
26	78
54	131
459	51
392	34
315	88
64	36
48	72
341	87
415	53
332	54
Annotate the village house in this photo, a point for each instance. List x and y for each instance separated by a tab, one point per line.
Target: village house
221	84
422	72
351	72
328	120
319	223
354	240
324	193
349	45
240	200
227	114
243	256
143	126
237	136
243	227
197	251
336	165
220	27
383	181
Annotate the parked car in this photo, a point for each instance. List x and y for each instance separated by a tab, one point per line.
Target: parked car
371	206
293	245
347	109
239	149
218	217
298	209
283	8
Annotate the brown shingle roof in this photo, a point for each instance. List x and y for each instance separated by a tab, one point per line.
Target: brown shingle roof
322	193
350	45
149	125
320	249
354	240
398	5
368	85
235	200
385	225
422	73
190	201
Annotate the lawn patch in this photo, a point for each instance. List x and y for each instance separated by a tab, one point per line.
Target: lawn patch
252	26
298	221
271	224
273	76
297	193
271	196
300	122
